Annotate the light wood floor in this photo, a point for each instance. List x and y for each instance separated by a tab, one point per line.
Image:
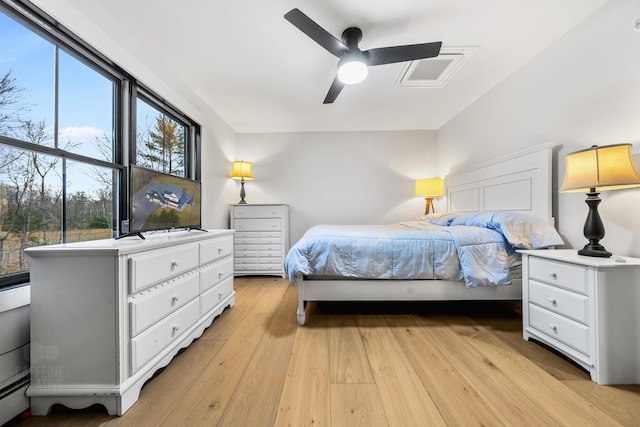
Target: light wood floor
412	364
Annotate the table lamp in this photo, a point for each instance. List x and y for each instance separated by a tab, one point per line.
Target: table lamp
429	188
241	171
594	170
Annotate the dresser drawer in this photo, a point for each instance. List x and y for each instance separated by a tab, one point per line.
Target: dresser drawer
257	211
247	266
264	266
270	248
242	241
155	303
258	224
152	341
271	256
274	240
246	252
270	235
215	273
560	328
159	265
563	302
246	234
215	249
213	296
568	276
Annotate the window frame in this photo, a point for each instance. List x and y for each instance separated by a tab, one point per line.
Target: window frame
125	93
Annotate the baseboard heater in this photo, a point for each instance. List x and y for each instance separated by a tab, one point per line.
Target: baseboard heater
14	351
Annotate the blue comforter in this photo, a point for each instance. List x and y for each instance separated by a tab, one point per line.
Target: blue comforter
405	250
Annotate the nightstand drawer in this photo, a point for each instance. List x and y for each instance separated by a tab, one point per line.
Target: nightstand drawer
568	276
563	302
560	328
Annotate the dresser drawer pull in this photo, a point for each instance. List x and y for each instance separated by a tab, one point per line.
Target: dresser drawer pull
174	264
553	327
553	301
176	298
176	327
554	276
219	251
220	295
220	274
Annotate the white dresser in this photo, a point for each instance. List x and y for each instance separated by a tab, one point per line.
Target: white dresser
261	239
587	308
107	314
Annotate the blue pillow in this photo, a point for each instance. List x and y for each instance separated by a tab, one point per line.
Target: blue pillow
521	231
439	218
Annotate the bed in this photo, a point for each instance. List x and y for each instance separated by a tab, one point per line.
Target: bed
510	188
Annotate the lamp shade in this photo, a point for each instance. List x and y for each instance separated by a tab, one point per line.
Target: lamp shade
430	187
241	171
602	168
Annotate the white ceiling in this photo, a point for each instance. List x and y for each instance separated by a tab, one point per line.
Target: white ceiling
262	74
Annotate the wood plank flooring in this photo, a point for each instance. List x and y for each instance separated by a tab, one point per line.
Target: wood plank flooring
365	364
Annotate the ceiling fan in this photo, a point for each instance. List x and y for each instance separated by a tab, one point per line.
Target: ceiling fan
353	64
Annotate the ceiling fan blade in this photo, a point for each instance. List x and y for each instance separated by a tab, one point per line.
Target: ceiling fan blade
334	91
316	32
411	52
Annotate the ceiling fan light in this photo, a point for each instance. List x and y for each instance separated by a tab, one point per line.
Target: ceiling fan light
352	72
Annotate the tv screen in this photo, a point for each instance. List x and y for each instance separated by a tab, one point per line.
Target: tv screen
159	201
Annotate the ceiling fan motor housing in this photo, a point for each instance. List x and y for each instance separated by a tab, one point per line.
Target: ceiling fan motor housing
351	37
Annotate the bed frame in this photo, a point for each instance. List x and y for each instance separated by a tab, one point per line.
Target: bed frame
520	182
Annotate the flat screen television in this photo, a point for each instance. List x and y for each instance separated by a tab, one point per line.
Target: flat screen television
159	201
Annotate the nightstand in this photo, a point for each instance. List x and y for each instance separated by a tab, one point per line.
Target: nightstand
587	308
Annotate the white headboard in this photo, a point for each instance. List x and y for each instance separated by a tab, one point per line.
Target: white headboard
518	182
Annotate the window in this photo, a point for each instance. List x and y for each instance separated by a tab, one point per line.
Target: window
160	140
66	114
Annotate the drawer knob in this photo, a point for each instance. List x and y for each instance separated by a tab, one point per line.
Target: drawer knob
220	295
174	264
554	328
176	297
220	274
553	275
553	301
176	327
219	250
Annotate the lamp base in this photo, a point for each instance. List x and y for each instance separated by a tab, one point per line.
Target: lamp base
595	250
242	193
429	206
594	229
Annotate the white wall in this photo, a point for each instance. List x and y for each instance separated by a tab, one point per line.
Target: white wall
582	90
123	47
339	177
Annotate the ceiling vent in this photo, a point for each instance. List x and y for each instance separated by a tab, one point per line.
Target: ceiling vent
434	72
